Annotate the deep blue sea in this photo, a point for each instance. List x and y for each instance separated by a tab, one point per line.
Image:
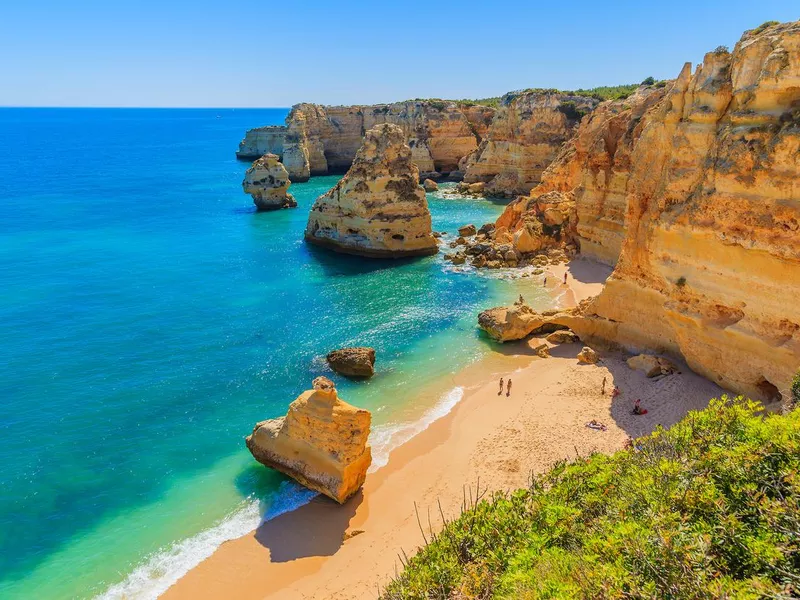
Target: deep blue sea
149	317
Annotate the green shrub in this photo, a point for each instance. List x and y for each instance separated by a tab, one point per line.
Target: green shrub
721	50
681	281
649	81
763	26
796	389
707	509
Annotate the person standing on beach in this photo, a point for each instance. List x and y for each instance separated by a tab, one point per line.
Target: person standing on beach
508	388
603	389
545	281
565	278
501	387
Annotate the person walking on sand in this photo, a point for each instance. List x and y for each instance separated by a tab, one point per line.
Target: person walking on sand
603	389
501	387
545	281
508	388
565	278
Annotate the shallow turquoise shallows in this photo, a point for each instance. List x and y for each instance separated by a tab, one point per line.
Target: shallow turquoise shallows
149	317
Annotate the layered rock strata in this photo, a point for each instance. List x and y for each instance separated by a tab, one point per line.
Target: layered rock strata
526	134
377	209
321	442
268	183
581	200
709	268
318	140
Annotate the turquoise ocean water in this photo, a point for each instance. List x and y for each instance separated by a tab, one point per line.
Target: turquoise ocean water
149	317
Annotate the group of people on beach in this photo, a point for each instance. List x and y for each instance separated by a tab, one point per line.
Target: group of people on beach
508	387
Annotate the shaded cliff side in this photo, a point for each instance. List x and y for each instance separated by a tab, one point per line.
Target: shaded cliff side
318	140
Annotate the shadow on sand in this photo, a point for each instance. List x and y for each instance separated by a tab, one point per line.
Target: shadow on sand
313	529
589	271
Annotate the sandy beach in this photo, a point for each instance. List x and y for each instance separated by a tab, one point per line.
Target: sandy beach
323	550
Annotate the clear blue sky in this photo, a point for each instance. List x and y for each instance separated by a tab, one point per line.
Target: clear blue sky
270	53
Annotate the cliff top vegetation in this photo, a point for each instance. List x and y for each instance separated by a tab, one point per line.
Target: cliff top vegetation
706	509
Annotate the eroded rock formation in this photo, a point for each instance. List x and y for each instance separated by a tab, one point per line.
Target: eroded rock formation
268	183
378	208
710	263
709	268
321	442
353	362
318	140
526	134
581	200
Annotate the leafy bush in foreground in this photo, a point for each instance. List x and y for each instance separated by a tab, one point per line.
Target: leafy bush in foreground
706	509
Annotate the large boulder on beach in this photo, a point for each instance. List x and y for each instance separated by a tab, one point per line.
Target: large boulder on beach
378	208
267	182
587	356
353	362
652	366
321	442
508	323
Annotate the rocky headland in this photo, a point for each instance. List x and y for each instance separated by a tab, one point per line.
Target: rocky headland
710	252
268	183
318	140
378	209
321	442
526	134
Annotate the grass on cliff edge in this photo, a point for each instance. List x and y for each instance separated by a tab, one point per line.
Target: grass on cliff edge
706	509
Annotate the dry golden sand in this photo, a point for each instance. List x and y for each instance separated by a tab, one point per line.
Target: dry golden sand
498	440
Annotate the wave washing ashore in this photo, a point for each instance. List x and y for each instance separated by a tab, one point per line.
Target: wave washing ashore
152	316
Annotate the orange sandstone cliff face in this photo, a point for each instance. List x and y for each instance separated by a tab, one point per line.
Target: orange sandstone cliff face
318	140
582	196
710	262
526	134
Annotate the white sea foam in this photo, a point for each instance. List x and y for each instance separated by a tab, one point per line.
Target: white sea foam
166	566
386	438
163	568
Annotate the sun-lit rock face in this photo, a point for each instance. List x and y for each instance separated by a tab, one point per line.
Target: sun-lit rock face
582	196
526	134
710	262
318	140
268	183
321	442
378	209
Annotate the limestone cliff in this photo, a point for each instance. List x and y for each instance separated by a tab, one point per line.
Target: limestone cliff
582	196
709	268
318	140
525	136
268	183
321	442
378	208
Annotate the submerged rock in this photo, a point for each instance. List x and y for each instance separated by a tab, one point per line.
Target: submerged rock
377	209
267	182
321	442
353	362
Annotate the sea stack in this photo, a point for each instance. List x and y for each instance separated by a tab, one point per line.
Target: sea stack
267	182
378	208
321	442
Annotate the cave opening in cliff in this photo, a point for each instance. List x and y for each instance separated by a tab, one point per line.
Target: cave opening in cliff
769	391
